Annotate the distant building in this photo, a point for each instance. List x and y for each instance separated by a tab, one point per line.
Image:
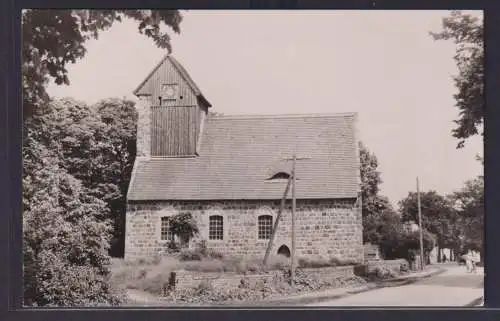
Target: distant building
230	173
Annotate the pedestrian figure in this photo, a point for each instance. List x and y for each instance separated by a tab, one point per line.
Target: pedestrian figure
444	258
468	263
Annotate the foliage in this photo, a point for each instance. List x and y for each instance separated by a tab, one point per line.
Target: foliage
97	146
156	280
72	154
466	32
378	226
469	205
379	216
404	245
438	216
65	230
199	253
370	176
184	226
54	38
117	141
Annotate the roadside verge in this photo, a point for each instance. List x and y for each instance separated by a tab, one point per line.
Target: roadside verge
334	294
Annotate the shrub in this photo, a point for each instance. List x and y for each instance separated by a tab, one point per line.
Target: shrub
402	245
190	255
199	253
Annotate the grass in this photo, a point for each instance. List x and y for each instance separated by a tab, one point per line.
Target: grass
153	274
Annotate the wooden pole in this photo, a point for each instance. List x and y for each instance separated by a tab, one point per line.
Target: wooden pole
420	227
275	227
292	273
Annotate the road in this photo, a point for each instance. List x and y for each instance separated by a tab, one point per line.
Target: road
455	287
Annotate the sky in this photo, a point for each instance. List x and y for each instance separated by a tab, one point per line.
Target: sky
383	65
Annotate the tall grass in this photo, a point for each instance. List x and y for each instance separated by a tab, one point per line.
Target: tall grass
153	274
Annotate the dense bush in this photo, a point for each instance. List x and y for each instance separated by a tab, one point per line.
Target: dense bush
66	229
403	245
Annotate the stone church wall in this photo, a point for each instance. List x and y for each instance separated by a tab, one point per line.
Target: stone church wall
324	228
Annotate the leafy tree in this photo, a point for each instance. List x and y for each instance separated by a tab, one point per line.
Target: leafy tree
118	138
377	227
466	32
469	204
65	177
54	38
370	176
405	245
379	217
98	148
438	216
65	230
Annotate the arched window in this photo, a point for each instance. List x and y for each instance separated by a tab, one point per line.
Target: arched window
216	227
166	231
265	226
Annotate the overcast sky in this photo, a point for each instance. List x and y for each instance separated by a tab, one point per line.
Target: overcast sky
381	64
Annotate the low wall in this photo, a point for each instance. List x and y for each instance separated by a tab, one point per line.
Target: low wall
191	279
394	265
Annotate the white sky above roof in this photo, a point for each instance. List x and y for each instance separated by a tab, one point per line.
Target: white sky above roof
382	64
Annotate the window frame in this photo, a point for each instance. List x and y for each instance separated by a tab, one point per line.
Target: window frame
210	226
261	227
169	231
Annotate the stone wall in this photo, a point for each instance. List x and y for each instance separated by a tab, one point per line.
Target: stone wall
394	265
143	141
227	281
324	228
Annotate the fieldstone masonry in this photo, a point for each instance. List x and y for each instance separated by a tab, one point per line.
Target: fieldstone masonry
324	228
229	281
143	129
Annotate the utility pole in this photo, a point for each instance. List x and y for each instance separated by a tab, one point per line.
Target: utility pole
276	222
420	227
292	273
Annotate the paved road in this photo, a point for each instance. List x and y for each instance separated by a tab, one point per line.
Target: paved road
455	287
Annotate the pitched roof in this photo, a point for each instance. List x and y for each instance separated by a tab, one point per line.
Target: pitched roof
182	71
240	153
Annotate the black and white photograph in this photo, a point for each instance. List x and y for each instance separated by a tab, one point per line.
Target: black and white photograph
252	158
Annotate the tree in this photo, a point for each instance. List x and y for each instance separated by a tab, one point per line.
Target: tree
65	229
469	204
370	176
377	227
466	32
54	38
118	139
438	216
405	245
97	146
379	217
69	154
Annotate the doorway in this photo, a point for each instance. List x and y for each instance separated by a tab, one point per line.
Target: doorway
284	250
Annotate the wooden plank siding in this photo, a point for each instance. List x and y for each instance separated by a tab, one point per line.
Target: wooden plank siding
166	73
174	130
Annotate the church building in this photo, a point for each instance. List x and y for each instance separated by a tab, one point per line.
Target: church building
230	173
